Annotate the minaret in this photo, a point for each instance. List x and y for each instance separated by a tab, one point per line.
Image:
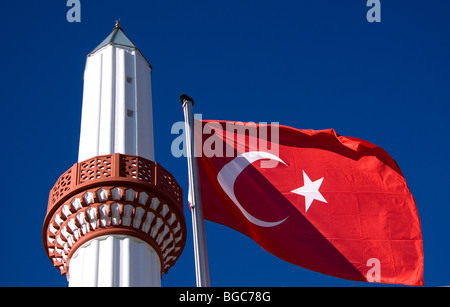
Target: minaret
115	218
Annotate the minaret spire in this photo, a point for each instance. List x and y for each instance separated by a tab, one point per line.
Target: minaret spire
115	218
117	24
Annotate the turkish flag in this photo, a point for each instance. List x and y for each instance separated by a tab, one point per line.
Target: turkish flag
332	204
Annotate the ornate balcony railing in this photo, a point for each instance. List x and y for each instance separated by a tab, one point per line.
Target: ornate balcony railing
115	194
116	168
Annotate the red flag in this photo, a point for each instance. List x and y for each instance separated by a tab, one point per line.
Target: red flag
332	204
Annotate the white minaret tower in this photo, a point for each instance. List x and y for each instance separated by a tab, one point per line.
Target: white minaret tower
117	102
115	218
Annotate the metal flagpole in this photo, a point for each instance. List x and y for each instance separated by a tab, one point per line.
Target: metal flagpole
198	227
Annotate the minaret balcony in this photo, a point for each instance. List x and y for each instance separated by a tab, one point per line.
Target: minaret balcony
115	194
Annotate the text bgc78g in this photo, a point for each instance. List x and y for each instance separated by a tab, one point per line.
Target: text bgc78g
246	296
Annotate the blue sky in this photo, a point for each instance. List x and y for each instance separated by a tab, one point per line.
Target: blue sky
309	64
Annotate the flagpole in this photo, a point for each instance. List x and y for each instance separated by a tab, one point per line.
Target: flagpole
198	227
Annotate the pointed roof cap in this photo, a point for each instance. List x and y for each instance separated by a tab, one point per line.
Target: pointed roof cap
117	37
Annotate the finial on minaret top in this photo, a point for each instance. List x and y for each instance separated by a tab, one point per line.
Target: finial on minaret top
117	24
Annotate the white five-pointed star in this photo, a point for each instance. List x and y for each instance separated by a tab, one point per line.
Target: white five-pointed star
310	190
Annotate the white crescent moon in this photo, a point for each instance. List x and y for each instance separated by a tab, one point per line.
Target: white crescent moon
229	173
